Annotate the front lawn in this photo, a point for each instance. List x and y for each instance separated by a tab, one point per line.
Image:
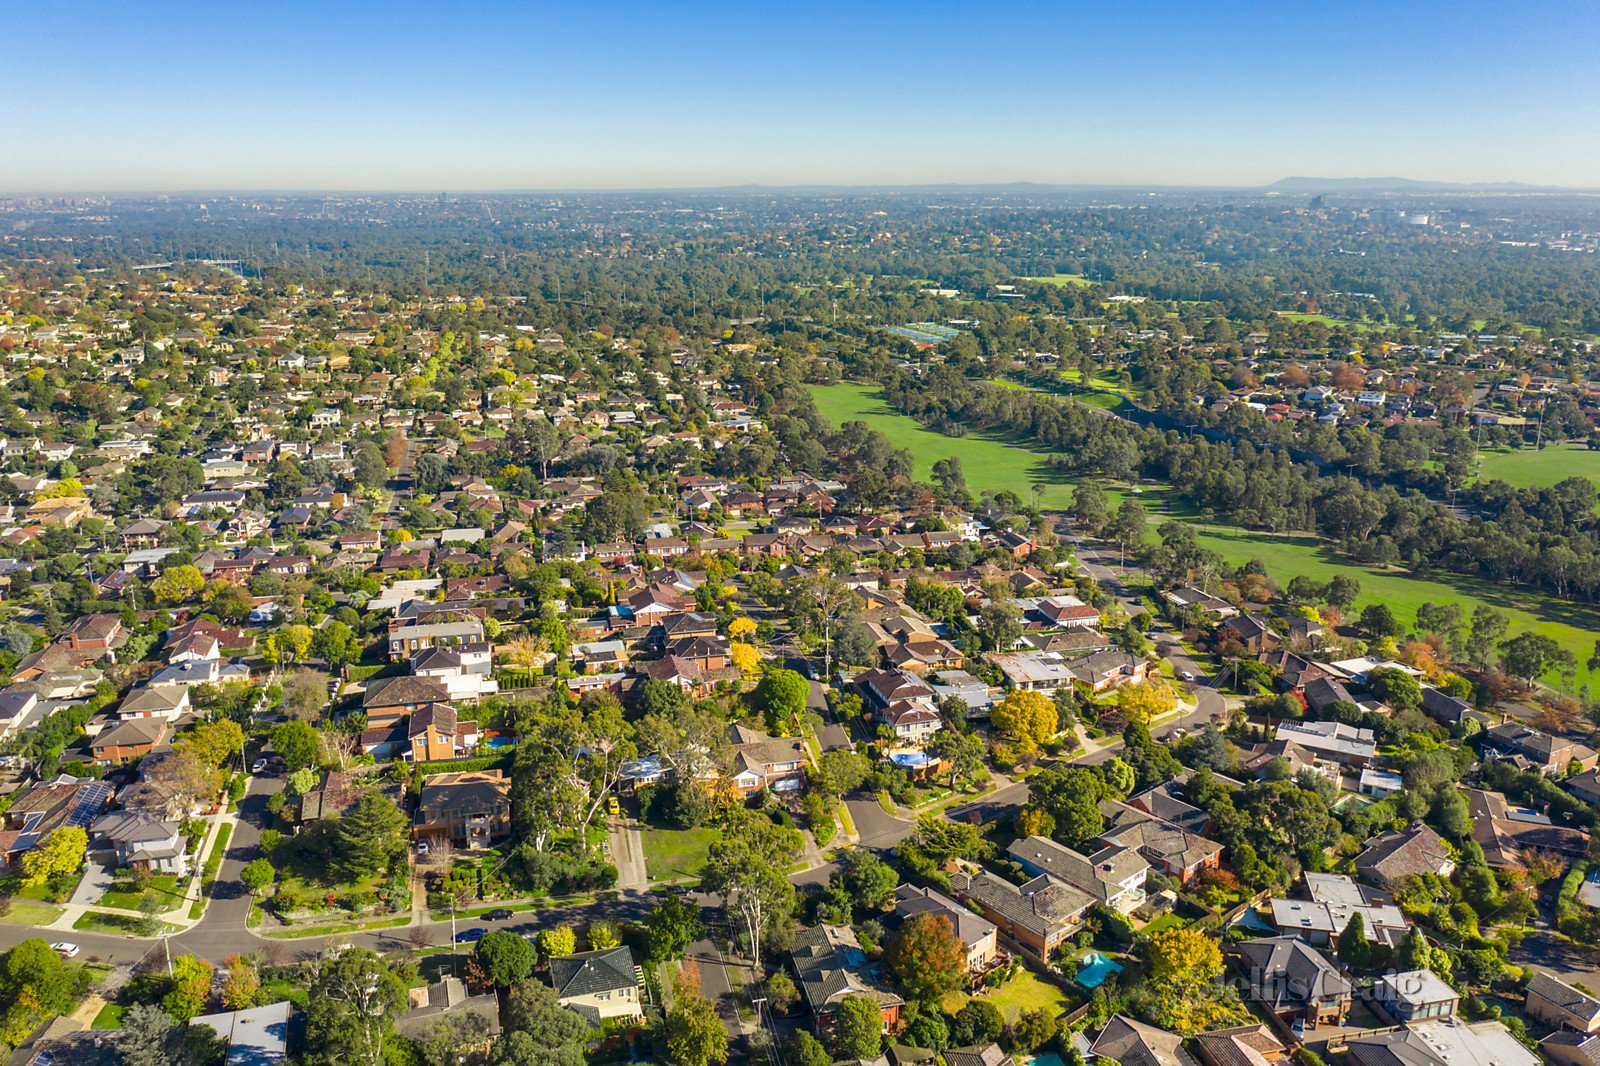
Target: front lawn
125	893
119	925
676	854
110	1017
30	912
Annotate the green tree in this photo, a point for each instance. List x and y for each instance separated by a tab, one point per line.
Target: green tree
857	1028
780	696
371	837
962	751
695	1033
369	468
1530	655
216	742
298	742
443	1042
673	925
602	934
780	990
354	1000
506	957
178	583
1488	626
59	854
539	1031
748	867
189	989
148	1036
977	1022
871	881
1354	951
807	1050
558	941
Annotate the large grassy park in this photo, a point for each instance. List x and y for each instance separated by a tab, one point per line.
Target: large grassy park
1527	468
993	465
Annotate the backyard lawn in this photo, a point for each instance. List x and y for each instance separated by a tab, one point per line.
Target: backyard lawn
1024	992
675	854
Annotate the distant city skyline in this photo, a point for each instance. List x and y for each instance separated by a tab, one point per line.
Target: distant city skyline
403	96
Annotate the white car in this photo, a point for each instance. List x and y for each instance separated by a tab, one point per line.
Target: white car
1185	675
66	949
422	847
259	766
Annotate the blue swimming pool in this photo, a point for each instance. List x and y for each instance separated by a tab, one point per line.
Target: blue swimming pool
499	743
1094	968
1049	1058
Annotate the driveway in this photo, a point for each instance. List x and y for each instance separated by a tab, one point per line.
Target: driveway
627	852
95	881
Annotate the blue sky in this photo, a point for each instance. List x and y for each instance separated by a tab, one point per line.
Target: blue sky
400	95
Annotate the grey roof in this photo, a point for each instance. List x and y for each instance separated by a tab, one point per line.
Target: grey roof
1558	993
255	1037
911	900
1286	972
1100	875
1401	853
588	972
831	965
977	1055
1416	987
1445	1042
1134	1043
1044	905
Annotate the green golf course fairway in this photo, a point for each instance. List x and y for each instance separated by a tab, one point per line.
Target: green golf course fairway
993	465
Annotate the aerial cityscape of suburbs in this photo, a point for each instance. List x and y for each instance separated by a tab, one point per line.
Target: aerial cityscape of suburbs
895	624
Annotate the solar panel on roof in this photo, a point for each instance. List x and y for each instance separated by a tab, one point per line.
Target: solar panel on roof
91	798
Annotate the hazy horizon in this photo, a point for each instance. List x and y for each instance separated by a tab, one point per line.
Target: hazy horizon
504	97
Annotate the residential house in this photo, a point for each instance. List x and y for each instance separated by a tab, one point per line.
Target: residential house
1391	857
1242	1045
1133	1043
94	632
433	733
1295	981
599	985
256	1036
1335	900
977	935
1505	831
1415	996
1105	670
142	840
1113	875
1034	671
1548	754
471	809
1039	915
407	641
831	965
1175	851
1335	741
1554	1002
1441	1042
128	739
761	761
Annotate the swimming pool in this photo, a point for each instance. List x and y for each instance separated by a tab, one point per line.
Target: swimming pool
499	743
1049	1058
1094	968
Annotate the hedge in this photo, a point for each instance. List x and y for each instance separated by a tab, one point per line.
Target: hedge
456	766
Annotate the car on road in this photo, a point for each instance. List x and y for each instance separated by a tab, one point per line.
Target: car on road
613	806
675	890
66	948
259	766
1185	675
1177	734
499	914
471	936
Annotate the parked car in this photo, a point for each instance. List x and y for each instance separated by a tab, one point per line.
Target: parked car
259	766
499	914
67	949
676	890
613	806
471	936
422	847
